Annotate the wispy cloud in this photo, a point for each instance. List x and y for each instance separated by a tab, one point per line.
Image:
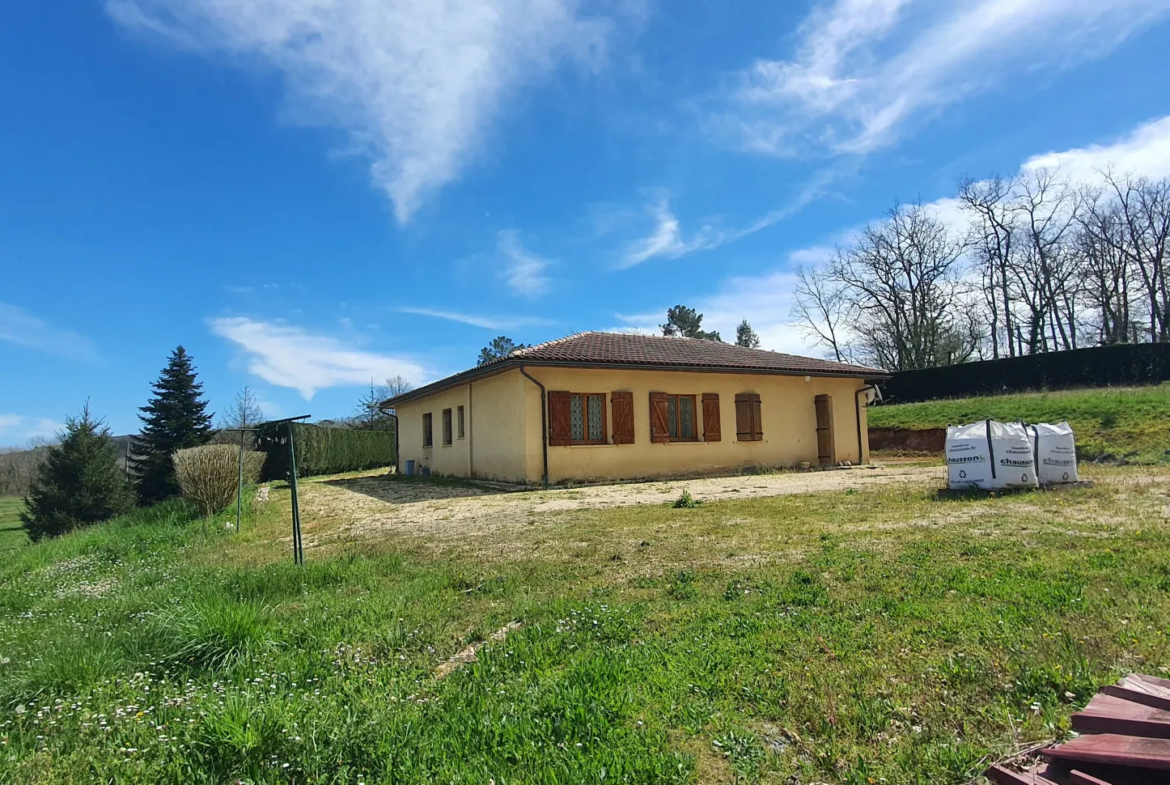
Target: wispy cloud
477	320
524	271
20	327
667	240
289	356
18	429
416	85
864	70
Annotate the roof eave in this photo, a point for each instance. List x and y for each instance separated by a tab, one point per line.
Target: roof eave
866	374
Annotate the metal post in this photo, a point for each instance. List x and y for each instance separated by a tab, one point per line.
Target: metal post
298	549
240	484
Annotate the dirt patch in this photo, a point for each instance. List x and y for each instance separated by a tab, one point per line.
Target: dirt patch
903	440
376	507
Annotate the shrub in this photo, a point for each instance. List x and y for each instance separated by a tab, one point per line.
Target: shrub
208	475
325	450
79	483
686	501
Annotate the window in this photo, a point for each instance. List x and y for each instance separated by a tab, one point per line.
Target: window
428	434
460	423
576	418
587	418
748	426
672	418
446	427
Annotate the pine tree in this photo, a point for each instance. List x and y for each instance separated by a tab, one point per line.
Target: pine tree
684	322
79	483
498	349
174	419
745	336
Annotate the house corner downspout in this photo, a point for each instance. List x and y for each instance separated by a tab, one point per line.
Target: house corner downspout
857	408
543	421
397	436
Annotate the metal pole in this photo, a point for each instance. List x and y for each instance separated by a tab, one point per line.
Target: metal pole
240	484
298	550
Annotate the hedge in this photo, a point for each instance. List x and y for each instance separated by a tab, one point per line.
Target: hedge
1100	366
324	450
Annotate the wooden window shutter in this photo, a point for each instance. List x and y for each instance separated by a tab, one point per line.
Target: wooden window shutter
659	429
743	418
711	430
560	432
623	417
757	421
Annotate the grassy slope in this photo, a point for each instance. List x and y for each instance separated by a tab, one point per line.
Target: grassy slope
844	637
11	529
1131	422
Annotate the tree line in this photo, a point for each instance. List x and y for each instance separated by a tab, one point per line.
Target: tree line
1042	264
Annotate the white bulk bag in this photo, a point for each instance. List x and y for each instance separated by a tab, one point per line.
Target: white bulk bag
1056	453
990	455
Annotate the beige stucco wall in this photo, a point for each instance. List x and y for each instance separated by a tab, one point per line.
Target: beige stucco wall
492	447
787	408
504	436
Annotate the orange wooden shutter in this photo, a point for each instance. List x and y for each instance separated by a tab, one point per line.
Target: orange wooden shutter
711	430
623	417
757	421
560	431
659	429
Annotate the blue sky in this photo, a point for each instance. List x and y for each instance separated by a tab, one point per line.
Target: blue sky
310	193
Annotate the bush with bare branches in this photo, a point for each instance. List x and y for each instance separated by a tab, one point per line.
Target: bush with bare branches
207	475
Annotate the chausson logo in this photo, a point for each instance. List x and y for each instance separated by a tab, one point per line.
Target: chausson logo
1055	462
1021	464
968	459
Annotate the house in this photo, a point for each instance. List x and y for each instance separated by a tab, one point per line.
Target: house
613	406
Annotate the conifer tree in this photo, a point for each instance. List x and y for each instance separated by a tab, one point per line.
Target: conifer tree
746	337
79	483
175	418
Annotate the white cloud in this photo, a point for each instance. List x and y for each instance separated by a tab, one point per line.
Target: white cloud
475	320
865	69
1145	151
18	429
524	271
20	327
288	356
414	84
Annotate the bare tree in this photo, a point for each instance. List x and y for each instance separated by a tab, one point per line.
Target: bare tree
991	243
1105	269
368	412
902	279
245	411
823	310
1143	208
1045	273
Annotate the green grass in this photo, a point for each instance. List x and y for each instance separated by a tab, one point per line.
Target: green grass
855	637
1131	423
11	529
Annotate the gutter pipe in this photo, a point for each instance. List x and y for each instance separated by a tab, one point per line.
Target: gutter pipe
857	408
543	421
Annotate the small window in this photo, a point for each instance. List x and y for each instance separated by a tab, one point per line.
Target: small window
680	418
428	432
459	422
587	418
446	427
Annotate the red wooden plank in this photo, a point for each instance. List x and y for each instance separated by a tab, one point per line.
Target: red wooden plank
1110	714
1114	749
1152	679
1007	777
1146	685
1137	696
1080	778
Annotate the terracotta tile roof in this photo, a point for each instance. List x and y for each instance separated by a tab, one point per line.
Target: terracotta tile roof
596	349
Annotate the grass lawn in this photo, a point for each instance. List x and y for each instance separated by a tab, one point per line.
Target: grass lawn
1123	422
859	636
11	529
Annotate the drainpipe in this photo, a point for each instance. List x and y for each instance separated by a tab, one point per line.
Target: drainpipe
397	436
543	421
857	408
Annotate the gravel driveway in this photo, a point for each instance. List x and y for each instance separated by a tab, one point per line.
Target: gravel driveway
381	506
